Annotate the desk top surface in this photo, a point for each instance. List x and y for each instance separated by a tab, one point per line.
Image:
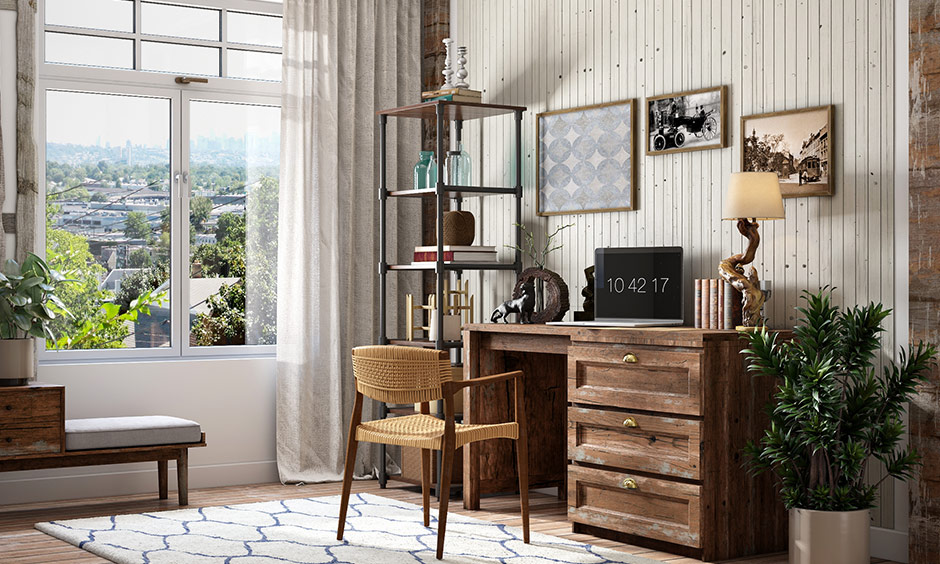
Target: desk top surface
675	335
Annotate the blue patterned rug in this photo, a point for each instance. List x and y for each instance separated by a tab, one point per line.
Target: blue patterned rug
303	531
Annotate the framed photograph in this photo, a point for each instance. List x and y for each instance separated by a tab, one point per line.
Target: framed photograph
795	144
586	159
687	121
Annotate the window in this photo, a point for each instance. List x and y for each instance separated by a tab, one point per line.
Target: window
161	198
169	38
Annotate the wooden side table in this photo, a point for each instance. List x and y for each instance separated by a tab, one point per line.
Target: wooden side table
32	419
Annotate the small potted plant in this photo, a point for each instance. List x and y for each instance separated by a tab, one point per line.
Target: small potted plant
832	413
26	293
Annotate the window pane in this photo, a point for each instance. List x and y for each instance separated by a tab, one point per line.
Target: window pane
234	167
111	15
254	29
252	64
180	21
91	51
185	59
108	217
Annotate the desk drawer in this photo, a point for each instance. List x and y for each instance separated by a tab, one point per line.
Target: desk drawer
655	509
635	441
31	440
30	407
645	378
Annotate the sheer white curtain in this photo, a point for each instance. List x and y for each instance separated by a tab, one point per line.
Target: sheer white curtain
343	60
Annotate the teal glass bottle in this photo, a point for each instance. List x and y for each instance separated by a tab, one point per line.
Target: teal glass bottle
421	170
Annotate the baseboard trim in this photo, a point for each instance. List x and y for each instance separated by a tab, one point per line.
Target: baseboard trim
133	479
889	544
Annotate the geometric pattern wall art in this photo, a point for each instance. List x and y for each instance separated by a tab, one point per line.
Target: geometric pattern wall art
586	159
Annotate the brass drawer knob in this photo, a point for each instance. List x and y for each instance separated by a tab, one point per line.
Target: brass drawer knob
630	422
630	358
629	484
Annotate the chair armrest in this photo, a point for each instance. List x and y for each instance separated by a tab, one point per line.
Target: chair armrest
482	381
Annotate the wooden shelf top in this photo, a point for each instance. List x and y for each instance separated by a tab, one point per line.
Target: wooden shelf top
424	343
457	266
451	192
672	336
452	110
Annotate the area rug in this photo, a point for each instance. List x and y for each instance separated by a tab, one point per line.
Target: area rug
303	531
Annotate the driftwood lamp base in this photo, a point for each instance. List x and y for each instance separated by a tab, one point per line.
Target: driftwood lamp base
732	270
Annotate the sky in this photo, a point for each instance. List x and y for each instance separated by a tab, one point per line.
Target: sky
84	118
794	127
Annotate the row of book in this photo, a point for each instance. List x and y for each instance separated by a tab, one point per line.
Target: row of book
427	256
717	304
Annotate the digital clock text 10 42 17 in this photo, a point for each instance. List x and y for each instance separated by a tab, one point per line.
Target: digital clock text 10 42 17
637	285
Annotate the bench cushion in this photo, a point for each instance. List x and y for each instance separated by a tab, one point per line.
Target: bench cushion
118	432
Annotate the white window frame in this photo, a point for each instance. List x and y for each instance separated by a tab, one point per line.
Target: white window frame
51	76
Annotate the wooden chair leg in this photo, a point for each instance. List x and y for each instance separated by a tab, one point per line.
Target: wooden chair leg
352	445
522	458
162	479
447	466
182	476
426	484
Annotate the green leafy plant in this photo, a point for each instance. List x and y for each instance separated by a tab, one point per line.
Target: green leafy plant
538	255
26	293
831	412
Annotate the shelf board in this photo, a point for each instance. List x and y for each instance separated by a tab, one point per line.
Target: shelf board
452	110
452	192
457	266
424	343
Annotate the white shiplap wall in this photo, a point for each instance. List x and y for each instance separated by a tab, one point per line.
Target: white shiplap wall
773	55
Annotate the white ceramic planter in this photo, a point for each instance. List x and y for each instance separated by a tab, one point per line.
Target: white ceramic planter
16	361
830	537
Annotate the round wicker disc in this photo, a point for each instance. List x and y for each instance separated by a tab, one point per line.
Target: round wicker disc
556	294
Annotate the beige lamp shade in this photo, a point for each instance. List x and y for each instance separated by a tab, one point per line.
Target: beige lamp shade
753	195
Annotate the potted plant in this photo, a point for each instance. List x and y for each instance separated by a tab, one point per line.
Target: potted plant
25	295
832	413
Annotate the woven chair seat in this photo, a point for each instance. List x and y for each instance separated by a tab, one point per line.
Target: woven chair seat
426	431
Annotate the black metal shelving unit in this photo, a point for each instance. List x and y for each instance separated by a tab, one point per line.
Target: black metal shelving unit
444	112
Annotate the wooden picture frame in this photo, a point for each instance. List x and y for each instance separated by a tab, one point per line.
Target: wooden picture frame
806	130
696	130
596	172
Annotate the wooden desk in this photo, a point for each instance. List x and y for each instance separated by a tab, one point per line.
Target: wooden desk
642	429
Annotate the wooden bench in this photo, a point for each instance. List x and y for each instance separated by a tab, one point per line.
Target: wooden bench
35	435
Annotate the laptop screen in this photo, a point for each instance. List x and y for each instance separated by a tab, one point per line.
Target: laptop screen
638	283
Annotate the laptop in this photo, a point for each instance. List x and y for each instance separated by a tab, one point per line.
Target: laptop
637	287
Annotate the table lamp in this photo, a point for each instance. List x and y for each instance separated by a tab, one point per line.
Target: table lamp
751	196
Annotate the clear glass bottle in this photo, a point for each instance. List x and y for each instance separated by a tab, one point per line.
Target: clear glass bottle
421	170
457	167
432	171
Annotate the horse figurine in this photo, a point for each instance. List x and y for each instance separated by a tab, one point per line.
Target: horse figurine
524	305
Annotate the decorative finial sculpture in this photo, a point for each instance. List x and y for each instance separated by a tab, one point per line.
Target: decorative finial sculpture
448	69
462	73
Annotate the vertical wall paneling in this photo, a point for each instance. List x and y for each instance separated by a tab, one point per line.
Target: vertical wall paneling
773	55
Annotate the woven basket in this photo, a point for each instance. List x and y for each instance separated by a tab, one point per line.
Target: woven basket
459	228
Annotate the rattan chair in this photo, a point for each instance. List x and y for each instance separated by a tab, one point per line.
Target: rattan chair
395	374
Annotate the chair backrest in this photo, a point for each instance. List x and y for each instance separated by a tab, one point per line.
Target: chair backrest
396	374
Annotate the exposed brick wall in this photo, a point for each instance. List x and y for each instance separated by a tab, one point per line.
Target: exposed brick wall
924	537
435	26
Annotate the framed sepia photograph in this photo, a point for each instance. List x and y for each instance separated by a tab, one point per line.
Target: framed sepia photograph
795	144
586	159
687	121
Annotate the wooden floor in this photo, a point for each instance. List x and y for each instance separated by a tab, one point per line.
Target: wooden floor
21	543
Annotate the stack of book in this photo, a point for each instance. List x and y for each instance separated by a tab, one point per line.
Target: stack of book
427	256
717	304
453	95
